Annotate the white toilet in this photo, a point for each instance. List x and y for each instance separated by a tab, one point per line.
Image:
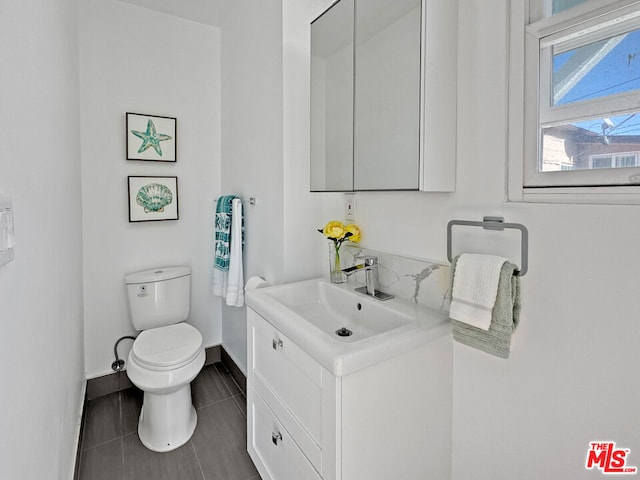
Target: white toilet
165	357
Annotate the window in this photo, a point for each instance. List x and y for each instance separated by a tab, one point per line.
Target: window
580	97
614	161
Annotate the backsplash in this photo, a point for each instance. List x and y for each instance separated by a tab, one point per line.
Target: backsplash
419	281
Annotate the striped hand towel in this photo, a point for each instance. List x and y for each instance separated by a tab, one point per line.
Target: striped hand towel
223	232
224	242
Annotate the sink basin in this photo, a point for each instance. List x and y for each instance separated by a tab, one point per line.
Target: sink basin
345	330
331	308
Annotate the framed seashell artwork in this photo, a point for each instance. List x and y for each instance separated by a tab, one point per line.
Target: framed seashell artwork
153	198
151	138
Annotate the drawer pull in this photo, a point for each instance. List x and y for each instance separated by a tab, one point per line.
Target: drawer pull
277	343
276	437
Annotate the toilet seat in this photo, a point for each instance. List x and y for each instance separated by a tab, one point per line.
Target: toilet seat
167	348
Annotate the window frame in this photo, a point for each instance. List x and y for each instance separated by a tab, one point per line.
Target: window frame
531	36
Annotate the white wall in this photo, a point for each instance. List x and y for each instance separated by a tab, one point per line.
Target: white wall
265	144
572	376
41	290
252	144
302	209
137	60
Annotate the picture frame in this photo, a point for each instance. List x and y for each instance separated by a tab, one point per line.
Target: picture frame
152	198
151	138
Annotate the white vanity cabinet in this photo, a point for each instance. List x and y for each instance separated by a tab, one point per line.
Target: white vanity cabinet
389	420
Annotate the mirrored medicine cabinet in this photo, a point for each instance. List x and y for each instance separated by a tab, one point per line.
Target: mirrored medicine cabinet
383	96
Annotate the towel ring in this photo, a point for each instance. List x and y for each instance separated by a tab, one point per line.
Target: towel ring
495	223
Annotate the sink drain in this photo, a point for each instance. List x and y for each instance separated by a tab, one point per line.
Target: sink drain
344	332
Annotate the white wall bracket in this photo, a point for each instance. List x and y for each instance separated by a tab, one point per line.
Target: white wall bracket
6	230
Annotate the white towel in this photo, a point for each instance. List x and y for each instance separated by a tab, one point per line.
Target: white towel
235	281
219	288
475	287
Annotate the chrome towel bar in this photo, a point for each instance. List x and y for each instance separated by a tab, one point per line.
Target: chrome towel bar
252	201
495	223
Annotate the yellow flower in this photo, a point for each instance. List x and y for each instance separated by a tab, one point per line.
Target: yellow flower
338	232
334	230
355	233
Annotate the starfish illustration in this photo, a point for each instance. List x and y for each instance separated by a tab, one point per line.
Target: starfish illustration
150	138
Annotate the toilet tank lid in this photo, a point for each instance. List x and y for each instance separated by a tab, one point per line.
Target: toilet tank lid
156	275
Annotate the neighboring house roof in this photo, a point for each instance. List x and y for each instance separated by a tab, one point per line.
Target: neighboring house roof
582	135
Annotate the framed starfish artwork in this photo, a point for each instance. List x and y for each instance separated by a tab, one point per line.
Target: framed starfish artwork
151	138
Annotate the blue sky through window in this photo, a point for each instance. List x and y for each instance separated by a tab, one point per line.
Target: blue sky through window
617	72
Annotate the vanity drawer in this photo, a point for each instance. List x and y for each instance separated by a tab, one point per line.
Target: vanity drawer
277	450
284	368
309	447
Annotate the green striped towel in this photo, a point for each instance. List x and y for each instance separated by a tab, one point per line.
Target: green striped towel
223	232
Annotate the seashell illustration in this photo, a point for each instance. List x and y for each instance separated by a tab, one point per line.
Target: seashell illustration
154	197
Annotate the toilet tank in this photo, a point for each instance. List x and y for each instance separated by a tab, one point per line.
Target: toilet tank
159	296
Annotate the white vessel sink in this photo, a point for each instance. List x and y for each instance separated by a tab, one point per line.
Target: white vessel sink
345	330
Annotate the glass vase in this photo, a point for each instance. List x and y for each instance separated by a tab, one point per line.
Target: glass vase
335	271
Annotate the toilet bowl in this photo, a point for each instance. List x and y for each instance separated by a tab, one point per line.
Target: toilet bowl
165	357
162	363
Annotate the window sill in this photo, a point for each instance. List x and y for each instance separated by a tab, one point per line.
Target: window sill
581	195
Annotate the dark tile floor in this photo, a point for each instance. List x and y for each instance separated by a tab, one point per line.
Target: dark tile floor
111	449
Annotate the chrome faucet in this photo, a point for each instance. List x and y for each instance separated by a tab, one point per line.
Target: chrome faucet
370	265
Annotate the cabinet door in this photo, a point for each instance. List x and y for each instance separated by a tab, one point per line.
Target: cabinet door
387	95
332	99
277	450
290	373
